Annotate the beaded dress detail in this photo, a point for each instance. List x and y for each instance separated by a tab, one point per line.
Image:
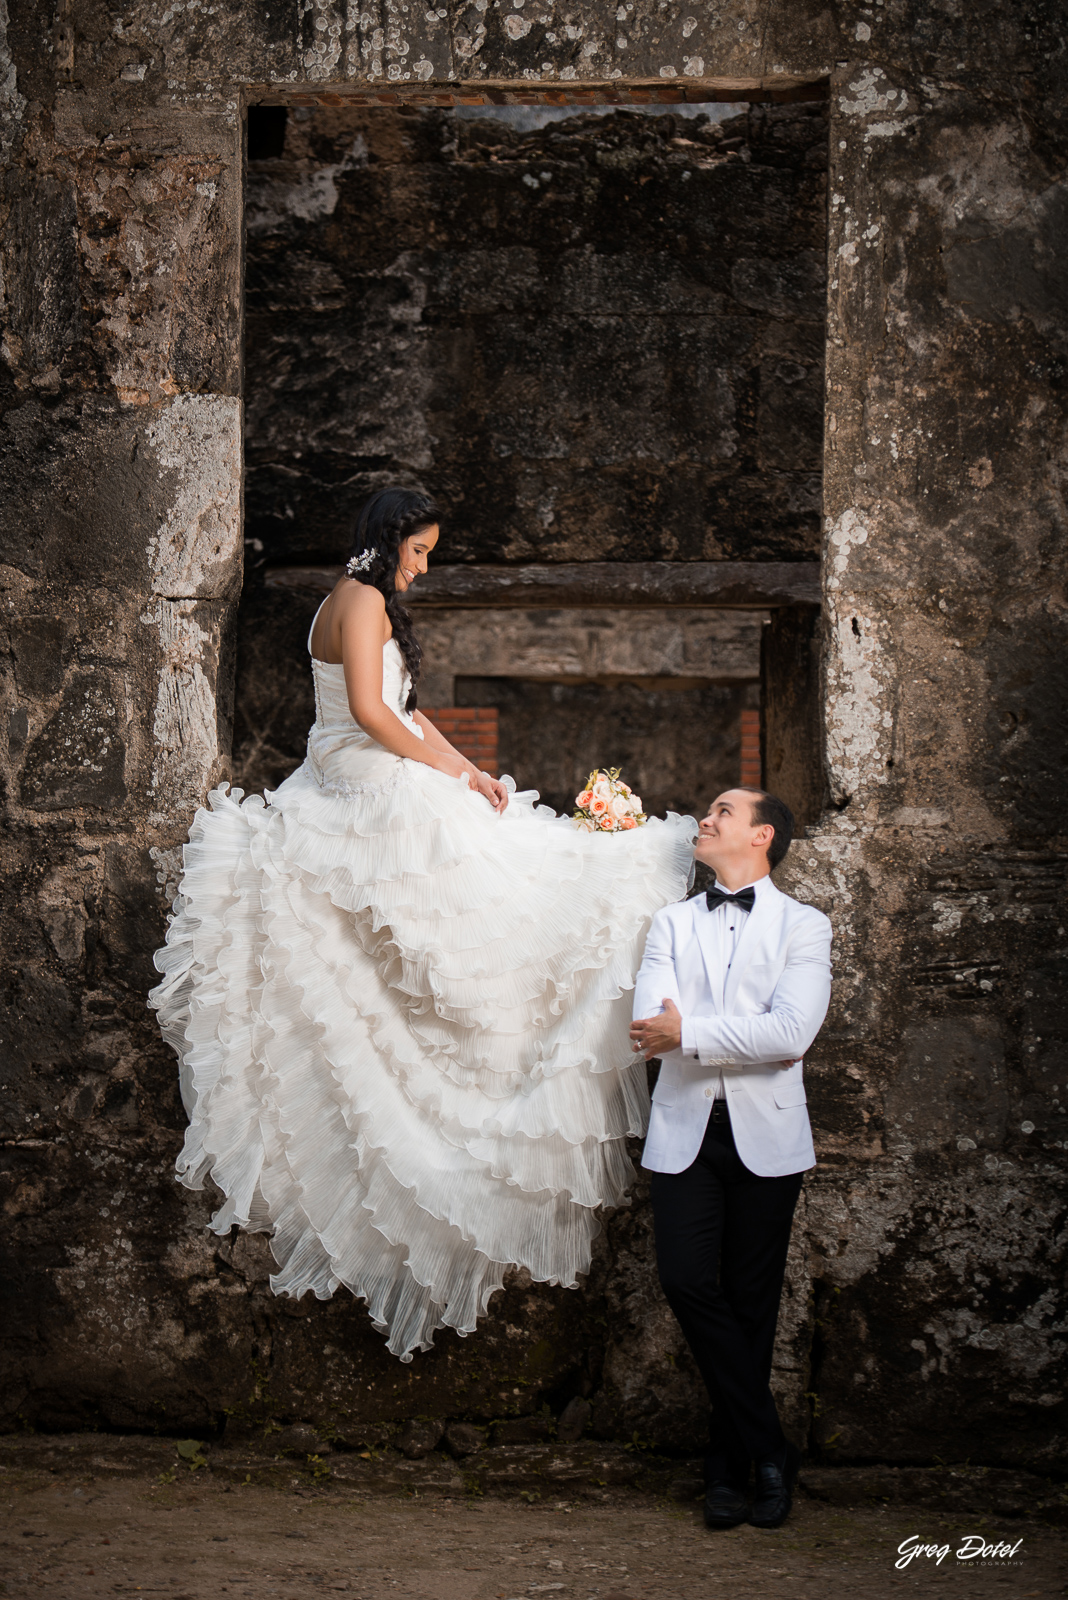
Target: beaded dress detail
402	1022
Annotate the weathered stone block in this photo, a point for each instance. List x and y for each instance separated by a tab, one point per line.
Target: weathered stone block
418	1437
41	274
574	1420
524	1430
298	1440
78	758
952	1087
462	1439
41	650
197	550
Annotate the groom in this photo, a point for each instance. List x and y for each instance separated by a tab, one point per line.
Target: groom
732	991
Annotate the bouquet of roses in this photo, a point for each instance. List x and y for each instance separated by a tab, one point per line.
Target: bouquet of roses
608	805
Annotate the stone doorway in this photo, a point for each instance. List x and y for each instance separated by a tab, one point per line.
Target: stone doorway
595	337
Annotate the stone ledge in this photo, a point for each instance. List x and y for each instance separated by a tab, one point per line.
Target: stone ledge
779	88
997	1491
743	584
551	1472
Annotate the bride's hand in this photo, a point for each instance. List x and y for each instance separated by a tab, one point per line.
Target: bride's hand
493	789
456	766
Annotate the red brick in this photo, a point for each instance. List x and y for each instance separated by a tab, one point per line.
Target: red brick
472	729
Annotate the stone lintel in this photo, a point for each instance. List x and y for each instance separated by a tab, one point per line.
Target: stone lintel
747	584
773	89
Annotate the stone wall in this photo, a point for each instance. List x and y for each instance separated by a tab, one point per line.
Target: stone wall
926	1281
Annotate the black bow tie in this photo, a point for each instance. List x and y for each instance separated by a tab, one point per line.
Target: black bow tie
745	899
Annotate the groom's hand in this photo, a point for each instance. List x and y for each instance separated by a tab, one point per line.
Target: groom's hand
655	1036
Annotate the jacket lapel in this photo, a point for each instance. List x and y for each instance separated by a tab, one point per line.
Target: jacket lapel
709	945
763	917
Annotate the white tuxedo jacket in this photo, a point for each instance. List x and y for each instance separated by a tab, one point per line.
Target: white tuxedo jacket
774	1001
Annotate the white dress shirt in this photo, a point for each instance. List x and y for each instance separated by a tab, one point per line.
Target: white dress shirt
725	924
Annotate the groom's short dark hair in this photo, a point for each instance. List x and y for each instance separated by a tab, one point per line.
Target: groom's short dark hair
771	812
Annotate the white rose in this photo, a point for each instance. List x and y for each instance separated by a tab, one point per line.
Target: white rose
619	807
603	789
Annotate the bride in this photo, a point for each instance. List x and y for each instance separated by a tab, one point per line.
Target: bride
399	990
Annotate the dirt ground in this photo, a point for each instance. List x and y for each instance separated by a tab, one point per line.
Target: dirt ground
79	1537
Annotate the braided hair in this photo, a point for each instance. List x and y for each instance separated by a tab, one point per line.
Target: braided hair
384	522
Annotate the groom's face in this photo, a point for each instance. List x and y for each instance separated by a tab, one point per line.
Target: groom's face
726	836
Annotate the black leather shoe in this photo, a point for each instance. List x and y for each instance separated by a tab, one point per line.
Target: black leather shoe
775	1489
726	1491
725	1505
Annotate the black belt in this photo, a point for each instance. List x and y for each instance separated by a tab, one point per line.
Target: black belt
720	1112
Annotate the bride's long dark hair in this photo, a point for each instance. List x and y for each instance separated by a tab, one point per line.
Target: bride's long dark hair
384	522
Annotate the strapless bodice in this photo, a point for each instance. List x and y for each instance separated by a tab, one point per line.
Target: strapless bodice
341	755
331	695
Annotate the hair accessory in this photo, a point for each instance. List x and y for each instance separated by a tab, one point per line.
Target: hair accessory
360	563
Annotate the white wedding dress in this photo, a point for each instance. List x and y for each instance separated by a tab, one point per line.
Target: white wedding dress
402	1022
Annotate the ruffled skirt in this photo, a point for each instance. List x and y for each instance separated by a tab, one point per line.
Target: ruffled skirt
402	1028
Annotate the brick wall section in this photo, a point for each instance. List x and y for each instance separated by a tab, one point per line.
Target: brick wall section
751	748
472	729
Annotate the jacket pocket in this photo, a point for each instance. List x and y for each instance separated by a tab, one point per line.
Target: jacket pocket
791	1094
665	1093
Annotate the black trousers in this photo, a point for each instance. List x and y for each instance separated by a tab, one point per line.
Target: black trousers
722	1234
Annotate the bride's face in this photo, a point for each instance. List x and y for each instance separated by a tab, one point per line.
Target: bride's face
412	555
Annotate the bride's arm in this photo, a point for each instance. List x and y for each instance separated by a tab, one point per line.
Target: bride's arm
362	624
433	736
492	788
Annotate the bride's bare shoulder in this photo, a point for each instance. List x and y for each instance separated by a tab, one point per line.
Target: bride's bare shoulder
351	597
358	614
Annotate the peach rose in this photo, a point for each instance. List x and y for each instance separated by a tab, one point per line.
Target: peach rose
583	800
628	822
607	824
598	804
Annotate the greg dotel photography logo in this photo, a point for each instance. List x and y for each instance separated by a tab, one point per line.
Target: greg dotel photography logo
975	1549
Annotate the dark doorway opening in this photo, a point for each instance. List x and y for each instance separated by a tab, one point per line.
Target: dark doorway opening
678	744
